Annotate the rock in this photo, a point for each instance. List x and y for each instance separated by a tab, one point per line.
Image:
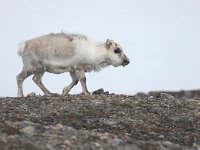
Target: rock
97	144
150	98
33	94
99	91
57	127
167	143
161	136
153	133
28	130
67	142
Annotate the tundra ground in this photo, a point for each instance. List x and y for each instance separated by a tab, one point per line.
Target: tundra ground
151	121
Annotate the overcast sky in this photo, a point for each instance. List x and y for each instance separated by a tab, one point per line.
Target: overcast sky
161	38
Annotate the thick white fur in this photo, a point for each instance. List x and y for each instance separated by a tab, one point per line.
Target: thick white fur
61	52
57	54
21	48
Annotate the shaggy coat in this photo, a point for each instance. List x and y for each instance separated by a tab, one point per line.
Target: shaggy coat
61	52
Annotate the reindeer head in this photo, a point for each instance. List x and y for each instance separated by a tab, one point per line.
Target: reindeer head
116	56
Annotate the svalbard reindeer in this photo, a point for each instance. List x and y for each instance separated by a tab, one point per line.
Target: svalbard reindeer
62	52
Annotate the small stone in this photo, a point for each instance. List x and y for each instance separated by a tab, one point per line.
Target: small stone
67	142
59	126
73	137
109	122
153	133
28	130
46	127
161	136
97	144
33	94
150	98
167	143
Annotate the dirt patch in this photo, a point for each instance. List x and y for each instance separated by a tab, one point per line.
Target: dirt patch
102	121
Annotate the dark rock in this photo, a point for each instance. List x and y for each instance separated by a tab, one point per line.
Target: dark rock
99	91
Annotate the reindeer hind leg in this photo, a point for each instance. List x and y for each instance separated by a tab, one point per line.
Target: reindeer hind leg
20	79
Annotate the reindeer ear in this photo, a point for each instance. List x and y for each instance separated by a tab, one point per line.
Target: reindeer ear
108	43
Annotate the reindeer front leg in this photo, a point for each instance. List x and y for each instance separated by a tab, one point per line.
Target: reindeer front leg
81	76
72	84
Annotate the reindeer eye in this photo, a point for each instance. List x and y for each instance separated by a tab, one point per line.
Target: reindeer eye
117	51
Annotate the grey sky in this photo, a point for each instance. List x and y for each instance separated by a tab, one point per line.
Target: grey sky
161	38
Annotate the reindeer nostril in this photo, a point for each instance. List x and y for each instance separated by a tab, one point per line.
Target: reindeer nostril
126	62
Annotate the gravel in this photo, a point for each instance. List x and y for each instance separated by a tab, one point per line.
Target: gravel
153	121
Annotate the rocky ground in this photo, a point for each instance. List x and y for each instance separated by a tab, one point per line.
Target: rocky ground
154	121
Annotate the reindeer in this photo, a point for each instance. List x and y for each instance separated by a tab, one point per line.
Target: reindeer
61	52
